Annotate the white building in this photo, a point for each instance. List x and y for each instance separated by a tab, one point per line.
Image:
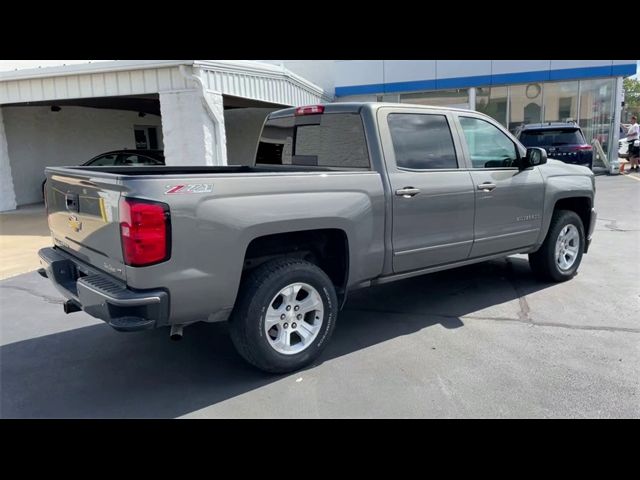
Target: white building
198	112
210	112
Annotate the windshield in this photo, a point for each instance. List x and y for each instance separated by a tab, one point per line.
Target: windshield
548	137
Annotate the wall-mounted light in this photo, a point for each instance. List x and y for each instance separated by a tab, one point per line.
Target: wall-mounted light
141	114
55	108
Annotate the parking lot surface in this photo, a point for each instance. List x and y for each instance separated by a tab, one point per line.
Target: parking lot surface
22	233
486	340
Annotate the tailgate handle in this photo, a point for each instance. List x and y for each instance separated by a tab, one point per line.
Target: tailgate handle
71	201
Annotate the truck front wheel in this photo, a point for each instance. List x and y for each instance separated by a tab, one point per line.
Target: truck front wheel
284	315
561	252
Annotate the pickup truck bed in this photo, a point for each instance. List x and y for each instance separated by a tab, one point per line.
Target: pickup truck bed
200	170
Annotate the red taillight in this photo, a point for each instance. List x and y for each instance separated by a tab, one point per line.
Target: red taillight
145	232
584	147
309	110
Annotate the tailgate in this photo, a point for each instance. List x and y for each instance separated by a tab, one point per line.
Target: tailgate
82	211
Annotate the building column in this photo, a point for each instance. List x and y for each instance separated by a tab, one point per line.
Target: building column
7	193
618	94
472	98
215	106
193	128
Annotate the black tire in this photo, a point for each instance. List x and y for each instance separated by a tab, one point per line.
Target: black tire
247	322
543	262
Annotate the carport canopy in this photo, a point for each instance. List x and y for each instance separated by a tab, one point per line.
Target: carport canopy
78	111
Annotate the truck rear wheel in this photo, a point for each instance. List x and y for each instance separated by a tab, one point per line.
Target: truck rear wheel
561	252
284	315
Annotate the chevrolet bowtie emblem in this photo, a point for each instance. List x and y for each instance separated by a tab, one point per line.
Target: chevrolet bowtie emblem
74	223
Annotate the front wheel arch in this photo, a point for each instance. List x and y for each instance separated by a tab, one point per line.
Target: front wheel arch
544	262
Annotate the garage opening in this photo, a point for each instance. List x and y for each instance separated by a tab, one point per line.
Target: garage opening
243	120
72	132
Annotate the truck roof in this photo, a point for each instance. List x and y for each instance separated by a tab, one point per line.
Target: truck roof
356	107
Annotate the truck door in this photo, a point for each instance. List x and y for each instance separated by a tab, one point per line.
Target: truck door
432	197
509	201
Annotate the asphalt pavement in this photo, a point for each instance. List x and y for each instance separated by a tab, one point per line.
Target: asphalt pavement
486	340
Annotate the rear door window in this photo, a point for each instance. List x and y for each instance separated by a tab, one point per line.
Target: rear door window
554	138
328	140
422	141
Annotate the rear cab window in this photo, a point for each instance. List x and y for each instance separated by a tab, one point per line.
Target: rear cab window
552	137
334	140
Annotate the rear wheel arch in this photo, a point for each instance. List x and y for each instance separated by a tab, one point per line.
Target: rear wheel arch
264	329
328	248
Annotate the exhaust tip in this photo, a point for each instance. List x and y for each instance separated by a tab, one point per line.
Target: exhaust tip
70	306
176	333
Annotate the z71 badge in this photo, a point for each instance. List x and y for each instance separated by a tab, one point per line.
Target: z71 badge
191	188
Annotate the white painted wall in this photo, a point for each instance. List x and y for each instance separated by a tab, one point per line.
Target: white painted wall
7	195
464	68
514	66
407	70
243	127
190	135
38	137
358	98
359	72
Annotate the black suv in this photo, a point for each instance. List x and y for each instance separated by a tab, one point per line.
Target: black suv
562	140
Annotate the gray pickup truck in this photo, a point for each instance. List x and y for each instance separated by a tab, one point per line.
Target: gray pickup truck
339	196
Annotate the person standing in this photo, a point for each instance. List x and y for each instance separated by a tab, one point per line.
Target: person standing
634	152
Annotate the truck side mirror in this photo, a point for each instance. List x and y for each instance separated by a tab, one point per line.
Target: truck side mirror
535	156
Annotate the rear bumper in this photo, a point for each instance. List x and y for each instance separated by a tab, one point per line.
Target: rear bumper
102	296
592	227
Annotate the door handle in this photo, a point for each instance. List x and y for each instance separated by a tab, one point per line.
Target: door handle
487	187
407	192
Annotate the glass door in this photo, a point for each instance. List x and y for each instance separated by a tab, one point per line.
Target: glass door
596	111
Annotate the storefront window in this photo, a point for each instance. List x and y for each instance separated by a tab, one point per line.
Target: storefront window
492	101
596	110
561	101
525	105
458	98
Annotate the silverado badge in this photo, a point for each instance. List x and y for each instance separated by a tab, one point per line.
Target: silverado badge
74	223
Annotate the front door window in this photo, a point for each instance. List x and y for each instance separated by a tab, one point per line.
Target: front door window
488	146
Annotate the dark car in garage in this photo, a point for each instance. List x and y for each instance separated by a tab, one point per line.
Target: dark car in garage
563	141
122	158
